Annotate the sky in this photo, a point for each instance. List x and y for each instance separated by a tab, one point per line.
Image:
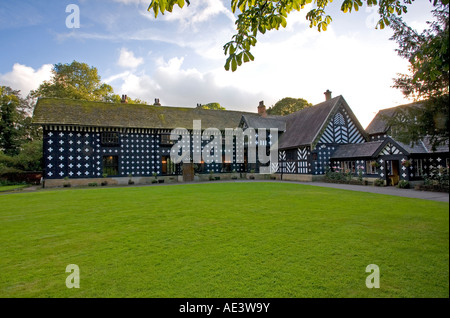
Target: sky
179	57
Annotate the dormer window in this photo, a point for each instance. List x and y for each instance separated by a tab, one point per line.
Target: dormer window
110	139
165	140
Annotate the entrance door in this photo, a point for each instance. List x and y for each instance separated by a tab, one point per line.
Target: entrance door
188	172
392	172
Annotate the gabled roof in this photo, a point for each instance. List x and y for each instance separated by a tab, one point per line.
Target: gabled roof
373	149
378	125
370	149
256	121
308	121
55	111
305	126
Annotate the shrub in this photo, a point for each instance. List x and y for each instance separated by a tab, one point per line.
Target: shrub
379	182
92	184
403	184
338	176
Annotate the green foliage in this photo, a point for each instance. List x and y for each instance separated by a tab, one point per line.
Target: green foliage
379	182
78	81
260	16
438	179
29	158
428	80
20	142
288	105
339	176
403	184
15	123
75	81
215	106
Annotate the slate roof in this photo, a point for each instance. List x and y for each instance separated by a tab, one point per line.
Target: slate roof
362	150
427	145
256	121
423	146
378	125
304	126
55	111
299	128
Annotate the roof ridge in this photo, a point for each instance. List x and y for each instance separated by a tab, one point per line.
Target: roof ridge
142	105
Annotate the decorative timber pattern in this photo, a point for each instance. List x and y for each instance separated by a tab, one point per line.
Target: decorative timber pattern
81	153
341	130
390	149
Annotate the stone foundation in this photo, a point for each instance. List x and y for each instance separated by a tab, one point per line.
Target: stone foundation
84	182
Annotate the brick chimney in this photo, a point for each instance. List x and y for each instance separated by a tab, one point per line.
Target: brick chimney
262	109
124	99
157	103
327	95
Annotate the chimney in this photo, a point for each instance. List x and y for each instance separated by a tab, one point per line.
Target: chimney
262	109
327	95
124	99
157	103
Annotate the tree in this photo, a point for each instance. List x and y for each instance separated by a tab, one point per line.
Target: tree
288	105
75	81
427	81
215	106
78	81
15	124
20	141
260	16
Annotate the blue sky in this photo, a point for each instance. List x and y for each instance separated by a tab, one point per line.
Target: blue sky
178	57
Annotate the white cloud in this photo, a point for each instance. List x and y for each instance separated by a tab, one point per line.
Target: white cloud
128	60
25	78
306	63
178	86
197	12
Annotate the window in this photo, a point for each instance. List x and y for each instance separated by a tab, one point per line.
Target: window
371	167
165	140
199	167
226	165
111	165
291	155
418	167
110	138
168	166
347	166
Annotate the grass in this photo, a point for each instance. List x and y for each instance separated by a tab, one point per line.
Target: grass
222	240
6	188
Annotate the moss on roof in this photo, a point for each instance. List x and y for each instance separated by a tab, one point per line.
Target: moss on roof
56	111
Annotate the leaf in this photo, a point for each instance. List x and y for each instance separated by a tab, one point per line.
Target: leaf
239	59
246	58
283	22
233	64
227	64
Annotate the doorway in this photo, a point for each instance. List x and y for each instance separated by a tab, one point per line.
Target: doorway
392	172
188	172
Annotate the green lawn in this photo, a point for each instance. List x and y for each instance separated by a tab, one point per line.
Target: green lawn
222	240
12	187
